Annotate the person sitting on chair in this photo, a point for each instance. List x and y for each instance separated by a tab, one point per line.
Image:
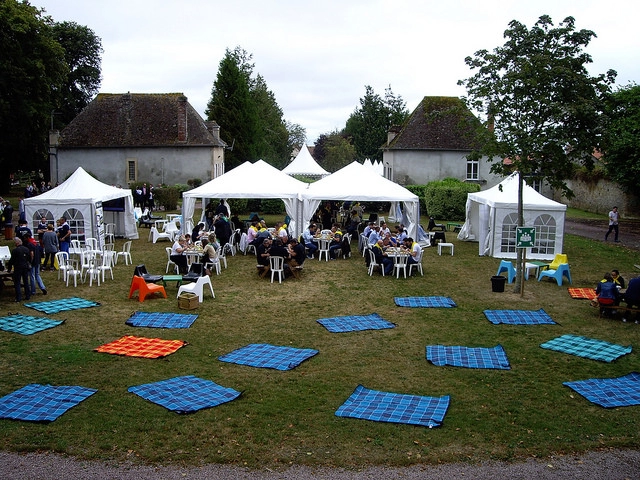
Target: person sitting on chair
415	251
632	295
617	279
607	292
177	255
386	264
209	254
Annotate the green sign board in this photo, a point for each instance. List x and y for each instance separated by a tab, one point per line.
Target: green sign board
525	237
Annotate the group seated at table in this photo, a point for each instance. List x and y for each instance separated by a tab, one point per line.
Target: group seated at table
293	254
383	253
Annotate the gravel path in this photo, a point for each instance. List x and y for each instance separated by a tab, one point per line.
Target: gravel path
605	465
609	465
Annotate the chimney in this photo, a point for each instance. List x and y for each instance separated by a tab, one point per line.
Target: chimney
393	132
214	129
182	118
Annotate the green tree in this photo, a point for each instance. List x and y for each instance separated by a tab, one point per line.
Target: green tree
233	108
543	106
82	54
250	117
272	140
32	71
622	139
297	136
333	151
369	124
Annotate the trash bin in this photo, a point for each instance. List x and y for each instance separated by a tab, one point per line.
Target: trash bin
497	283
8	231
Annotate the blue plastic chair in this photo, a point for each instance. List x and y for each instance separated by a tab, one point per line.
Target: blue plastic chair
507	266
558	274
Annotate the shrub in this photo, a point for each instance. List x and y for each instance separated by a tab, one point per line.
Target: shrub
238	205
446	199
167	197
272	206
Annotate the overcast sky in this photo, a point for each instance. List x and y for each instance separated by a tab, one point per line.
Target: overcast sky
317	56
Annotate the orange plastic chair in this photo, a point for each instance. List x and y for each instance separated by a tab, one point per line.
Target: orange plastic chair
143	288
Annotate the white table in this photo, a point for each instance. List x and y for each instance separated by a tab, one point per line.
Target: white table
443	244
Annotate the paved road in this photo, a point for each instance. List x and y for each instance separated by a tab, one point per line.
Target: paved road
595	229
607	465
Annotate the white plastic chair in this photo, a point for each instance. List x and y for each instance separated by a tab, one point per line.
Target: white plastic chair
400	264
107	261
126	253
170	262
85	263
197	287
276	264
155	235
110	232
222	256
323	248
418	265
372	262
94	271
171	228
73	271
63	264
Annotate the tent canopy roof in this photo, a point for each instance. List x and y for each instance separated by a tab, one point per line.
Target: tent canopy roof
249	180
357	182
505	195
80	187
305	164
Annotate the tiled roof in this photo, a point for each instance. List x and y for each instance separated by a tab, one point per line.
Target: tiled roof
136	120
438	123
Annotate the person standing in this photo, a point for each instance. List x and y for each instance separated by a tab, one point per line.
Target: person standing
613	224
64	235
20	262
50	245
35	253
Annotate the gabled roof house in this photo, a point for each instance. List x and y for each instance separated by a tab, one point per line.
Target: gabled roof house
434	144
133	137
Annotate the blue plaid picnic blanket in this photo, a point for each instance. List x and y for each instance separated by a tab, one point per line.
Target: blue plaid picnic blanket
26	324
587	347
519	317
161	320
468	357
351	323
610	392
269	356
425	302
394	407
62	305
42	403
185	394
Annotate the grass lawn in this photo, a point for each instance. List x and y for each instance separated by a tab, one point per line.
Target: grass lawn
285	418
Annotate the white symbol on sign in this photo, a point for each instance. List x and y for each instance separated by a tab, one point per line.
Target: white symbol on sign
525	238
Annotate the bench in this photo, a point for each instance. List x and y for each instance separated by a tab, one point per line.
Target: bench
617	309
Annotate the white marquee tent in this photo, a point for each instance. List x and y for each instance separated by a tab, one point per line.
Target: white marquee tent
492	218
80	200
355	182
304	164
249	180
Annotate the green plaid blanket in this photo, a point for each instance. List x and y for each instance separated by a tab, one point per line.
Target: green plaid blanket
587	348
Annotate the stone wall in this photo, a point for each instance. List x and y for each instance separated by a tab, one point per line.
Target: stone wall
600	197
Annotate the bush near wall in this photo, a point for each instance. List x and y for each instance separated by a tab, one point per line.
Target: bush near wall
272	206
420	191
168	197
238	205
446	199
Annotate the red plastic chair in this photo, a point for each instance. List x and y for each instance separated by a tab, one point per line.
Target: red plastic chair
143	288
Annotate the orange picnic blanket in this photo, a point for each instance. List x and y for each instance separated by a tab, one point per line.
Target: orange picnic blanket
583	293
132	346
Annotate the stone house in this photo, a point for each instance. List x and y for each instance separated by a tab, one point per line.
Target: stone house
434	144
132	137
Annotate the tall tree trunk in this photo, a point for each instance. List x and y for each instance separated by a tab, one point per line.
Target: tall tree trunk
519	285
